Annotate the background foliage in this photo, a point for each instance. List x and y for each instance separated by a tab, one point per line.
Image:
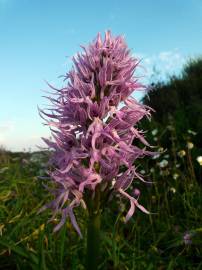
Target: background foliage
179	98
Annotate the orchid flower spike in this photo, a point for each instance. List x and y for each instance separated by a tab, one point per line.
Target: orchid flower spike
92	135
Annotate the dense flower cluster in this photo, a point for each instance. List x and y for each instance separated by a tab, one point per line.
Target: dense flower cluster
93	136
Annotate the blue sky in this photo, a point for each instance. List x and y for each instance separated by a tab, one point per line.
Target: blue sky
38	38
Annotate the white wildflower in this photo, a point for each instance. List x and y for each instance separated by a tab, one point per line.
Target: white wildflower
167	156
199	159
181	153
142	171
175	176
173	190
154	131
191	132
163	163
156	156
190	145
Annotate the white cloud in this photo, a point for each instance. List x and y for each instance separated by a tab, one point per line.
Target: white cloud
163	64
2	139
6	126
27	143
19	135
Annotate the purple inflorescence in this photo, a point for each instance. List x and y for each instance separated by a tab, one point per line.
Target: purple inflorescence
93	136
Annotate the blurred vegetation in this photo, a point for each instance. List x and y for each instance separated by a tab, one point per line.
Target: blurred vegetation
178	104
168	239
179	98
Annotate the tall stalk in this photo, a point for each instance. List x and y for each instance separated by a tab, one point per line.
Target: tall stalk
93	232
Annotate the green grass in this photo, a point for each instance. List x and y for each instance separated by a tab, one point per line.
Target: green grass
146	242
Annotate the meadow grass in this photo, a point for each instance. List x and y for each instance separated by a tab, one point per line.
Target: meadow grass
169	238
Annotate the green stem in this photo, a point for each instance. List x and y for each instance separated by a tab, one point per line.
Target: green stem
93	233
